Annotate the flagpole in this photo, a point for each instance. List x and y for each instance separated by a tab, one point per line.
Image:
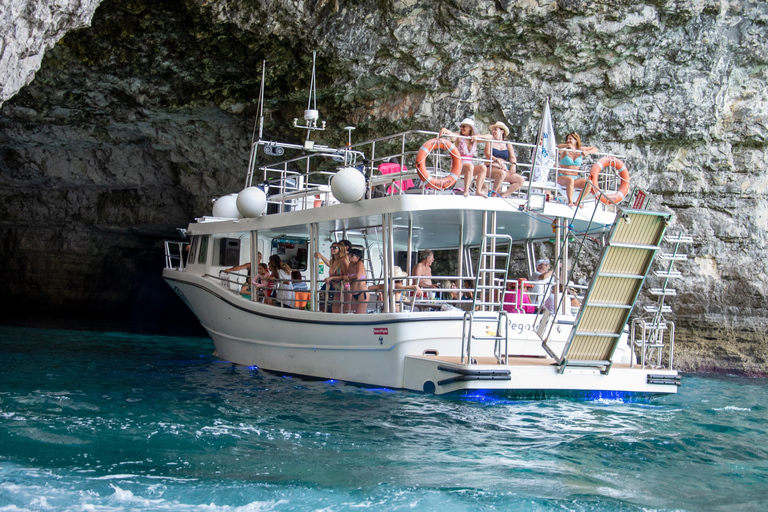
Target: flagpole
536	153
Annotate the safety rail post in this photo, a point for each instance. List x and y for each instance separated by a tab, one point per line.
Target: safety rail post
466	335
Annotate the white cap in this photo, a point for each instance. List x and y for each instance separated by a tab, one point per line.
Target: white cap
543	261
468	121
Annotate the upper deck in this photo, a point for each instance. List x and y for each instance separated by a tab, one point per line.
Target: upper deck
299	192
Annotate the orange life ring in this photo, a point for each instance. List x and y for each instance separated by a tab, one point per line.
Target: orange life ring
421	163
620	169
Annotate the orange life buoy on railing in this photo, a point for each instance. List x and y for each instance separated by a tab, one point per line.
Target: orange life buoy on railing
620	169
421	163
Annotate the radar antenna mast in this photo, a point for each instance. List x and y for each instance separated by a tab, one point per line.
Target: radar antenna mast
311	115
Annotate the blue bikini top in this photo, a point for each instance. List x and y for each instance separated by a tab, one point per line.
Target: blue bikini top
567	160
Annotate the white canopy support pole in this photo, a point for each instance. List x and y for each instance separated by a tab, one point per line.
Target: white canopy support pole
386	291
314	247
391	256
409	259
254	262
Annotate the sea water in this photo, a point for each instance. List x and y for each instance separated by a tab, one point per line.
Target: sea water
103	421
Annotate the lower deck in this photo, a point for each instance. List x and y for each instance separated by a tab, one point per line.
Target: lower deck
447	374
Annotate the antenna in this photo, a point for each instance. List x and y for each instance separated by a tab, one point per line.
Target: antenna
261	97
311	115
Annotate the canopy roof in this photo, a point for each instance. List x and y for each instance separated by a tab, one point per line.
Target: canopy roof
437	220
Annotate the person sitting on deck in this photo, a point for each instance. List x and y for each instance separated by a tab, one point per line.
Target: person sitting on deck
398	286
504	161
298	281
551	305
468	150
510	297
264	285
571	154
245	289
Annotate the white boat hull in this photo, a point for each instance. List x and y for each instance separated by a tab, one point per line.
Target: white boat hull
397	350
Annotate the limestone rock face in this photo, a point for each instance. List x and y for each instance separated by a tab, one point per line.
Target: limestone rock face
132	125
28	29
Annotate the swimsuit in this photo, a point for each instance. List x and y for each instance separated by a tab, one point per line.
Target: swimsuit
567	160
467	154
356	295
499	153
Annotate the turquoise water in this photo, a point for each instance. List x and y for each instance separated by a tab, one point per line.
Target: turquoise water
108	421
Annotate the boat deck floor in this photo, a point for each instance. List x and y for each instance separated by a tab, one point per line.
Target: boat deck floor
513	361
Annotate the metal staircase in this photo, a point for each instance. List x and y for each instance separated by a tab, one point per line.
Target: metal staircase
490	286
624	264
657	332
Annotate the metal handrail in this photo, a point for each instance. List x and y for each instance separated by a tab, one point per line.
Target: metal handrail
171	256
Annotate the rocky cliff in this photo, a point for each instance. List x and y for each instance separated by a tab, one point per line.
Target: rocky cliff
133	124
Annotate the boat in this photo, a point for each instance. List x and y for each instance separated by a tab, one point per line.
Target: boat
300	199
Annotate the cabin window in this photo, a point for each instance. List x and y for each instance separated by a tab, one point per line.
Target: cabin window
203	249
192	249
291	251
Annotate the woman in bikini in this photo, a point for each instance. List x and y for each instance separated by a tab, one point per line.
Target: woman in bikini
504	161
337	268
571	154
358	282
468	150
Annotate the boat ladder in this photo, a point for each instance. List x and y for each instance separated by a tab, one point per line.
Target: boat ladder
490	286
624	264
654	330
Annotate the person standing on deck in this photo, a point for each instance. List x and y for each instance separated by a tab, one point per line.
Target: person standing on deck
423	270
358	282
337	268
542	273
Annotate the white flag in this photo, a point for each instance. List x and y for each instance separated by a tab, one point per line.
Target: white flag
547	156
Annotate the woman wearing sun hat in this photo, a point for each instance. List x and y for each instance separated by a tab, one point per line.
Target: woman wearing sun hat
466	142
503	161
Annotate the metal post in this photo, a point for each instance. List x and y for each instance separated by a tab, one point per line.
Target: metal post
409	262
558	271
314	246
254	262
493	258
461	257
387	269
391	256
483	278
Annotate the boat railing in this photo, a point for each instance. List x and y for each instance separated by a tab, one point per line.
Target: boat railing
425	299
175	251
304	181
233	280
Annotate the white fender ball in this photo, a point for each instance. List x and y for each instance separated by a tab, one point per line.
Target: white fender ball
225	207
348	185
251	202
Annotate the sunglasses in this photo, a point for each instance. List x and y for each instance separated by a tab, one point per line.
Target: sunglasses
334	247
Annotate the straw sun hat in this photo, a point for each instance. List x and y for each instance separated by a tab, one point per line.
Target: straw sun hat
499	124
397	273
